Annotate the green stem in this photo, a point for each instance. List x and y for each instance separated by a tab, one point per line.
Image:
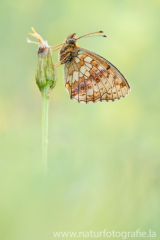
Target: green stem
45	106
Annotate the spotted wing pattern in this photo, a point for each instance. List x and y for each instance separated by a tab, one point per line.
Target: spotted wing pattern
91	78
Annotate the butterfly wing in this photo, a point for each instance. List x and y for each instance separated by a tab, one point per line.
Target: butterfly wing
91	78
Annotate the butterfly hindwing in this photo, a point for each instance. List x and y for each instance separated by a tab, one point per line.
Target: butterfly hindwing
91	78
120	86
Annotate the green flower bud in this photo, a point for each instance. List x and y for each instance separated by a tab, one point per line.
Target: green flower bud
45	71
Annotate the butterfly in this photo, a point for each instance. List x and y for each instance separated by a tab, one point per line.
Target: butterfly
89	77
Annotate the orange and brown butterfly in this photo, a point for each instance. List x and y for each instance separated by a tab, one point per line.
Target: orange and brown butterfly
88	76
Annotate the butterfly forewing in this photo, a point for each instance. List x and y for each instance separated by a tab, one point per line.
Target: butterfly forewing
91	78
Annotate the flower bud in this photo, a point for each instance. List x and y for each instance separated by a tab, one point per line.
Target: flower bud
45	71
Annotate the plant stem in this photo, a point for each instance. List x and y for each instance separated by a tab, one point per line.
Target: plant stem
45	107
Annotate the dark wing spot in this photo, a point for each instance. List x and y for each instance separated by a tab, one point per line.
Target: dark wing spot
82	86
97	80
108	67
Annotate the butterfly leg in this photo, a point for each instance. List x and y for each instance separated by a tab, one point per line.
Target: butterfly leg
61	62
56	49
58	64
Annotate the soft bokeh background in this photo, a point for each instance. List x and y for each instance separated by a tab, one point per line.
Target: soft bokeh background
104	158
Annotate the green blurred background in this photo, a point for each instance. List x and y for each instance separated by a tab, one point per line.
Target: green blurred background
104	158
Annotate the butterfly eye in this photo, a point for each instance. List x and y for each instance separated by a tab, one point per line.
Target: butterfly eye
71	40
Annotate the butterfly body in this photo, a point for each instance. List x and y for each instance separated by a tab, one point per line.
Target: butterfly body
90	77
68	50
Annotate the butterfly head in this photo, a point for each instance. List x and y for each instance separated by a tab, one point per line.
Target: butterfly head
71	39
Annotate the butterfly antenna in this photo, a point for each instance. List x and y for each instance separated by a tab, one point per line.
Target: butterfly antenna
86	35
94	36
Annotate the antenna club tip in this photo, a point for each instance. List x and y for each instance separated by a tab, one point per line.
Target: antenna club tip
104	36
101	31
